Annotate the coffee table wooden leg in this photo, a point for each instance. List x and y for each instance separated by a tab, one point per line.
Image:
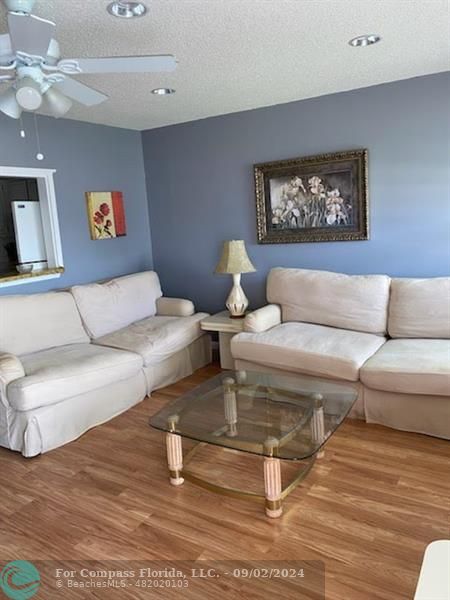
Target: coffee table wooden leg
230	407
272	479
174	458
317	422
272	485
174	453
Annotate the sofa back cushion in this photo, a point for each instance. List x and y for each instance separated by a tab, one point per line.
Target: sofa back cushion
107	307
420	308
38	322
357	302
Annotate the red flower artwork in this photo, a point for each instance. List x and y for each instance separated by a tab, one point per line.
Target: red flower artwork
106	215
98	218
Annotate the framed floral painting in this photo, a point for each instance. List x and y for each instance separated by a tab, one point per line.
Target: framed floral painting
319	198
106	215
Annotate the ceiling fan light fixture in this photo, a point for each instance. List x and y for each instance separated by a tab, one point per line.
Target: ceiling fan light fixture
20	6
127	10
56	103
9	105
365	40
28	94
163	91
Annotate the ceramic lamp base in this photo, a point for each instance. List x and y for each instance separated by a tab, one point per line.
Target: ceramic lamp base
237	302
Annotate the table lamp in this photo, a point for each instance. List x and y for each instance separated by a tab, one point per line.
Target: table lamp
234	260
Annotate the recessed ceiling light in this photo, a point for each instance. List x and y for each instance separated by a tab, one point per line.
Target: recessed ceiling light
126	10
365	40
163	91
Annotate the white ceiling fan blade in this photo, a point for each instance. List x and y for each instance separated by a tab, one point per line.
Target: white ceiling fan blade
124	64
30	34
6	53
79	92
53	53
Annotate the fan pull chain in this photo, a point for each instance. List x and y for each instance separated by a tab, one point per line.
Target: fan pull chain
22	133
39	155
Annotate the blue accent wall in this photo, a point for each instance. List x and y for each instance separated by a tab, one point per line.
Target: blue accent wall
201	191
86	158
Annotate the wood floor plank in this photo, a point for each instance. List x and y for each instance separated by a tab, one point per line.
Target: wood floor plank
367	509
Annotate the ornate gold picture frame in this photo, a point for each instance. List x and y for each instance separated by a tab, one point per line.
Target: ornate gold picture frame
322	198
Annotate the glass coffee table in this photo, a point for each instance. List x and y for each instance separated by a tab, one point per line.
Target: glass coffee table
280	418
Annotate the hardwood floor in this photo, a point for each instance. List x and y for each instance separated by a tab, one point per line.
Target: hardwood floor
367	509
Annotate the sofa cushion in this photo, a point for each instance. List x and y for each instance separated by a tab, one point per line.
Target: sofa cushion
60	373
156	338
309	349
110	306
39	321
420	308
411	367
357	302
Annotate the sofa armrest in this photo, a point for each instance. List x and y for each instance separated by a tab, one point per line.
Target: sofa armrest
263	318
10	369
174	307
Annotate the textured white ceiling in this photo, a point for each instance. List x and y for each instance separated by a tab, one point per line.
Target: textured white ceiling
240	54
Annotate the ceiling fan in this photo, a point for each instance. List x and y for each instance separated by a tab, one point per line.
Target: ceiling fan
30	59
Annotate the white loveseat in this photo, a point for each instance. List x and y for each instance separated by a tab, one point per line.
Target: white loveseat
70	360
389	338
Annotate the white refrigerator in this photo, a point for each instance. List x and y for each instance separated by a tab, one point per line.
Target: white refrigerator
29	233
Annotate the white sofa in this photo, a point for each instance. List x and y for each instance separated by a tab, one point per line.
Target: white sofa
70	360
388	338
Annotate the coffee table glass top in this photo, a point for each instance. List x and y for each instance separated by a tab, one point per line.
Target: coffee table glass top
288	417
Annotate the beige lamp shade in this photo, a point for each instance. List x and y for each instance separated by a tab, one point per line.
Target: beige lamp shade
234	258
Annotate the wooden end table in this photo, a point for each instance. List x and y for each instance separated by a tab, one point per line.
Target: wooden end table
227	328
